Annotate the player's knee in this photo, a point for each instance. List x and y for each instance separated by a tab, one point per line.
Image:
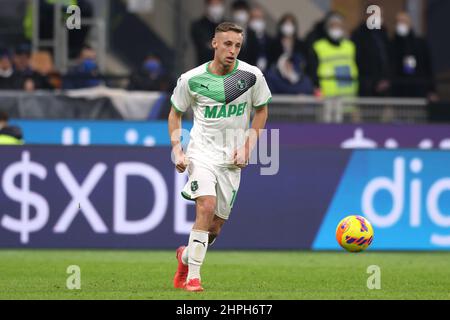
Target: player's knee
206	207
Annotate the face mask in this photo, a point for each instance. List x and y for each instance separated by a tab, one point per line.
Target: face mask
152	66
215	12
258	25
402	29
241	17
288	29
89	65
336	34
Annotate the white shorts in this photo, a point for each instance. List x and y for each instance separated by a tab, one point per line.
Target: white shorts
211	180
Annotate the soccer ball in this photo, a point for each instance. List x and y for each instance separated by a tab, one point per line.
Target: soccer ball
354	233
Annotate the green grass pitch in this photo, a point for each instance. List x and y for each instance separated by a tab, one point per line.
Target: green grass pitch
41	274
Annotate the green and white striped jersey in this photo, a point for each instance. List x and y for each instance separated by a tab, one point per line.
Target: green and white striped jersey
222	107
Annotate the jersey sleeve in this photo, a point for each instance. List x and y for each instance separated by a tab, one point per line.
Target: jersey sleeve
181	98
261	92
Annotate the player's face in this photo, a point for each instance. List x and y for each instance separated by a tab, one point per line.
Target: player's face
227	46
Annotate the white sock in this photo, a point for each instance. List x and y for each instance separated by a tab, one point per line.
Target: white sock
184	256
198	244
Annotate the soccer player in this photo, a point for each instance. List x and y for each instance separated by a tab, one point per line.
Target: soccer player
222	94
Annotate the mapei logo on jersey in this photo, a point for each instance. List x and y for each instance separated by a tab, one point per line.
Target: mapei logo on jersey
225	111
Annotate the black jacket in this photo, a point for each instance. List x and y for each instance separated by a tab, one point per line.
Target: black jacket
143	81
372	58
411	82
14	82
317	32
41	82
202	32
255	47
276	49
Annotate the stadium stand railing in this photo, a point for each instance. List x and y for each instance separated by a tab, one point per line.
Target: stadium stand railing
348	109
291	108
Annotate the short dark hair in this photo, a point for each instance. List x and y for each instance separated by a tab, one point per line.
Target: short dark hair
23	49
4	116
229	26
4	52
240	5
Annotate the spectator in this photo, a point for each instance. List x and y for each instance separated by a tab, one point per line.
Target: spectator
372	58
8	79
240	14
9	134
258	41
287	77
85	74
29	78
151	77
202	30
78	37
411	60
286	41
333	61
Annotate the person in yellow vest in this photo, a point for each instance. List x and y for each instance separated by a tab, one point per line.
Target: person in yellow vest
9	135
333	65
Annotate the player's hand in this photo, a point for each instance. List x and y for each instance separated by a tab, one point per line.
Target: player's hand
240	157
181	162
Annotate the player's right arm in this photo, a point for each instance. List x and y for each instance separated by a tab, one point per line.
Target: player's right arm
181	101
174	133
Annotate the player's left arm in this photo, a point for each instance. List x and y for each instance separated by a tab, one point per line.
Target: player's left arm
242	155
261	96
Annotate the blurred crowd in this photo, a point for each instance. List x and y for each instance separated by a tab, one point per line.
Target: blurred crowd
329	61
22	70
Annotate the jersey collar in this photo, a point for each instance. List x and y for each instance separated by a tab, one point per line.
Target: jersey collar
225	75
